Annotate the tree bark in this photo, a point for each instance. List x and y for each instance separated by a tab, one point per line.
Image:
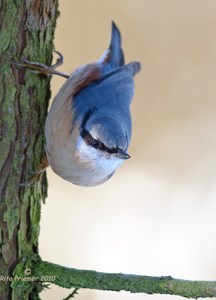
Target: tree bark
26	30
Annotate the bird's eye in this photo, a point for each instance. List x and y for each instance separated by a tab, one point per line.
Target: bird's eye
96	144
90	140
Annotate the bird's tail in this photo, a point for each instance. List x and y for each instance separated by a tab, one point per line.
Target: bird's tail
116	58
113	57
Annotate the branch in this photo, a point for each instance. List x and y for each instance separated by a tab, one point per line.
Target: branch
69	277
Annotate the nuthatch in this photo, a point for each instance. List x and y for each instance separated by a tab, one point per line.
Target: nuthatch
88	127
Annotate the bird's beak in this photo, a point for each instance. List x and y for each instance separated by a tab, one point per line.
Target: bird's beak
121	154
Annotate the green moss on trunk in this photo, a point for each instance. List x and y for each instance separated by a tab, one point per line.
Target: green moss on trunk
26	30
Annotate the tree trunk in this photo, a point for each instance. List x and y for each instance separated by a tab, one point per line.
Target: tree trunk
26	30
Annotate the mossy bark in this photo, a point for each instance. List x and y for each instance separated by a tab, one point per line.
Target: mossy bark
47	272
26	30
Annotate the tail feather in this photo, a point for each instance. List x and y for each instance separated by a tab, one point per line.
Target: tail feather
116	56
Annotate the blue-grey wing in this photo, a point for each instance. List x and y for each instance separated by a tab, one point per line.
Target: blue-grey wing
109	96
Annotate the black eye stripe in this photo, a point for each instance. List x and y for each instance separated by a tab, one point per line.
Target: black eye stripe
96	143
112	150
87	137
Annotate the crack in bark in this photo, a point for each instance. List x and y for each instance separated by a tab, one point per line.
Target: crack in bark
5	170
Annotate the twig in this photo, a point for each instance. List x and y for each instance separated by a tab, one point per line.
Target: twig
71	294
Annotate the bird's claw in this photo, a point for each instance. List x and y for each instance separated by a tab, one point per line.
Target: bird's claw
42	68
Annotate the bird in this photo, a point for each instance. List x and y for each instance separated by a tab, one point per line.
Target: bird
88	127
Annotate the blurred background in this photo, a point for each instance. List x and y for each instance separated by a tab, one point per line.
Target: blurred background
157	215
